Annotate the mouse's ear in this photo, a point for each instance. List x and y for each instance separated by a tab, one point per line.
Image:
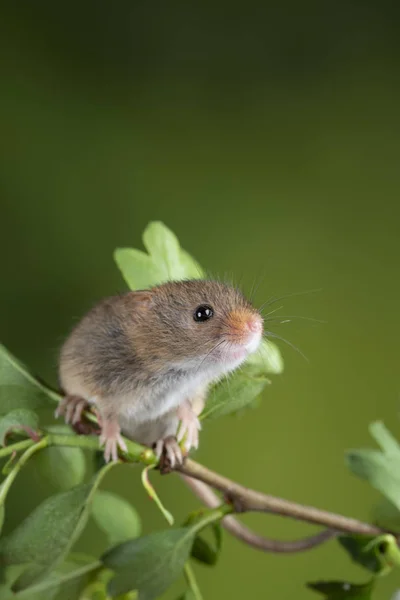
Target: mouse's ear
141	298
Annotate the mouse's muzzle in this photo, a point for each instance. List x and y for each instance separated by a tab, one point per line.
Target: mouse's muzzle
243	332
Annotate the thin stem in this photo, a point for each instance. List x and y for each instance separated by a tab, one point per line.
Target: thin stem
46	585
136	452
9	480
244	500
250	537
191	581
7	450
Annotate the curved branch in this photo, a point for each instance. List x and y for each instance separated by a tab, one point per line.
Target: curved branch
249	537
245	499
242	499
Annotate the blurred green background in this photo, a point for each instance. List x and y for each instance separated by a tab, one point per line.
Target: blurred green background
266	135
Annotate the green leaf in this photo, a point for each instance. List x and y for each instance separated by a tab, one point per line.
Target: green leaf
233	394
340	590
377	554
165	261
137	268
267	360
244	386
205	552
64	467
115	516
45	537
18	388
380	468
20	419
384	438
149	564
163	246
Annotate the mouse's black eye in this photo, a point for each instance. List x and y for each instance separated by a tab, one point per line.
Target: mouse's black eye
203	313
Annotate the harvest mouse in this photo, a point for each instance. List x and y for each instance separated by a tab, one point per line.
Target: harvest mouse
145	359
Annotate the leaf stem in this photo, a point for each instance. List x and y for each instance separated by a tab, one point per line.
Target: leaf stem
22	445
191	581
9	480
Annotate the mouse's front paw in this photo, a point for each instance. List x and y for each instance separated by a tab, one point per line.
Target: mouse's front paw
189	426
71	408
111	439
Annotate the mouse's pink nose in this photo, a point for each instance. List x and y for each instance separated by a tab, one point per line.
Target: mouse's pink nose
254	325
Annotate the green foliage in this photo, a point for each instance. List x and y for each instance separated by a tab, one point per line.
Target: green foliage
165	261
18	388
149	564
64	467
116	517
45	537
340	590
380	468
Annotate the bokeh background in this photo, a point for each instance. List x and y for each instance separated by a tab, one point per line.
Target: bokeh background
266	135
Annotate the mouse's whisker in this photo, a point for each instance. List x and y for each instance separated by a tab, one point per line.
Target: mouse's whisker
289	317
269	334
271	312
210	352
273	299
254	288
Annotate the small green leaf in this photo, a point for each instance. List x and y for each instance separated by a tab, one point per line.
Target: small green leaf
64	467
137	268
340	590
380	468
45	537
244	386
190	266
116	517
18	420
165	261
203	551
233	394
267	360
153	494
385	439
18	388
377	554
149	564
163	246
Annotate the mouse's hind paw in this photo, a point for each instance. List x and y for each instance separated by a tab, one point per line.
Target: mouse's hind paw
71	407
169	454
112	440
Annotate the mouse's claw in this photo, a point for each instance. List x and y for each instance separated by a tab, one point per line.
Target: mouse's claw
71	407
189	426
111	439
169	454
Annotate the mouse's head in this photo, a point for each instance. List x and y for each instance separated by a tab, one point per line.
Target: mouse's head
196	324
